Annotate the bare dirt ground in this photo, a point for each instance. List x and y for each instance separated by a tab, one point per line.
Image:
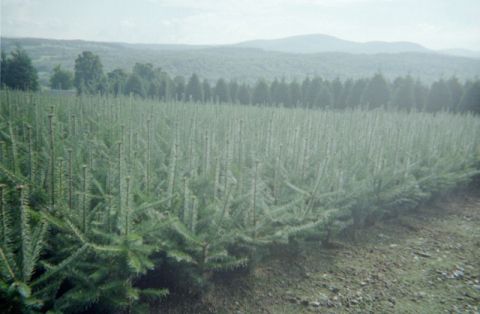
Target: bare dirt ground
426	261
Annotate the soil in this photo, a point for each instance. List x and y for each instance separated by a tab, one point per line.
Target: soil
425	261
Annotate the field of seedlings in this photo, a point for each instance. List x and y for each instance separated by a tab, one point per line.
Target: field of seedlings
99	195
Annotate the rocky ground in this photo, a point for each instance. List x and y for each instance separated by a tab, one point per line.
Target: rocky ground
427	261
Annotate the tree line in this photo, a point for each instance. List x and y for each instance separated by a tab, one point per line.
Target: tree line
147	81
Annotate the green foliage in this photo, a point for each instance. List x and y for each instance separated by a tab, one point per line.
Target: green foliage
147	81
194	90
221	92
244	64
439	97
471	98
261	94
404	94
134	86
113	189
88	73
3	68
243	95
376	93
22	241
18	71
61	79
324	98
116	81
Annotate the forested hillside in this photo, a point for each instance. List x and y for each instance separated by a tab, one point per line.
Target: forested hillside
243	64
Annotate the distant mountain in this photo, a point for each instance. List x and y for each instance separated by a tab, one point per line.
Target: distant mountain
461	53
243	64
316	43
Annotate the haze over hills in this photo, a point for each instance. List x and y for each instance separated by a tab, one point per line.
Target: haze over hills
316	43
249	61
461	53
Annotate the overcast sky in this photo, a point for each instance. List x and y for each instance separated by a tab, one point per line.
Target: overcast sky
435	24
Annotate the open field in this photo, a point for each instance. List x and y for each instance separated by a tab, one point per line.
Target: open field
100	195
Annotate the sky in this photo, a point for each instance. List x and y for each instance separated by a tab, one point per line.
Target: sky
436	24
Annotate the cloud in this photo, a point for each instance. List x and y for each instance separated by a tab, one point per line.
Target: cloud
436	23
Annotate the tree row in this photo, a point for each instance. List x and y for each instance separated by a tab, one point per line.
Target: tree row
147	81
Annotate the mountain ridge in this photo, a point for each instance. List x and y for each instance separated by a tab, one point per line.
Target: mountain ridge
316	43
243	63
298	44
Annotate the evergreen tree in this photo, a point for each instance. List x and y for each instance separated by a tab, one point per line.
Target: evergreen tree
376	93
295	92
421	95
355	93
324	98
275	96
283	92
471	98
243	95
336	88
61	79
207	91
313	89
404	94
439	97
194	90
305	90
456	92
232	88
88	73
260	94
3	68
179	82
347	87
166	88
19	71
221	93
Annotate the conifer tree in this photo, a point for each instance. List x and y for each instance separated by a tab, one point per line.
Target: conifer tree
324	98
207	91
313	88
471	98
221	93
439	97
179	83
336	89
404	94
295	93
261	94
376	93
305	89
456	92
233	89
355	93
421	94
194	89
243	95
